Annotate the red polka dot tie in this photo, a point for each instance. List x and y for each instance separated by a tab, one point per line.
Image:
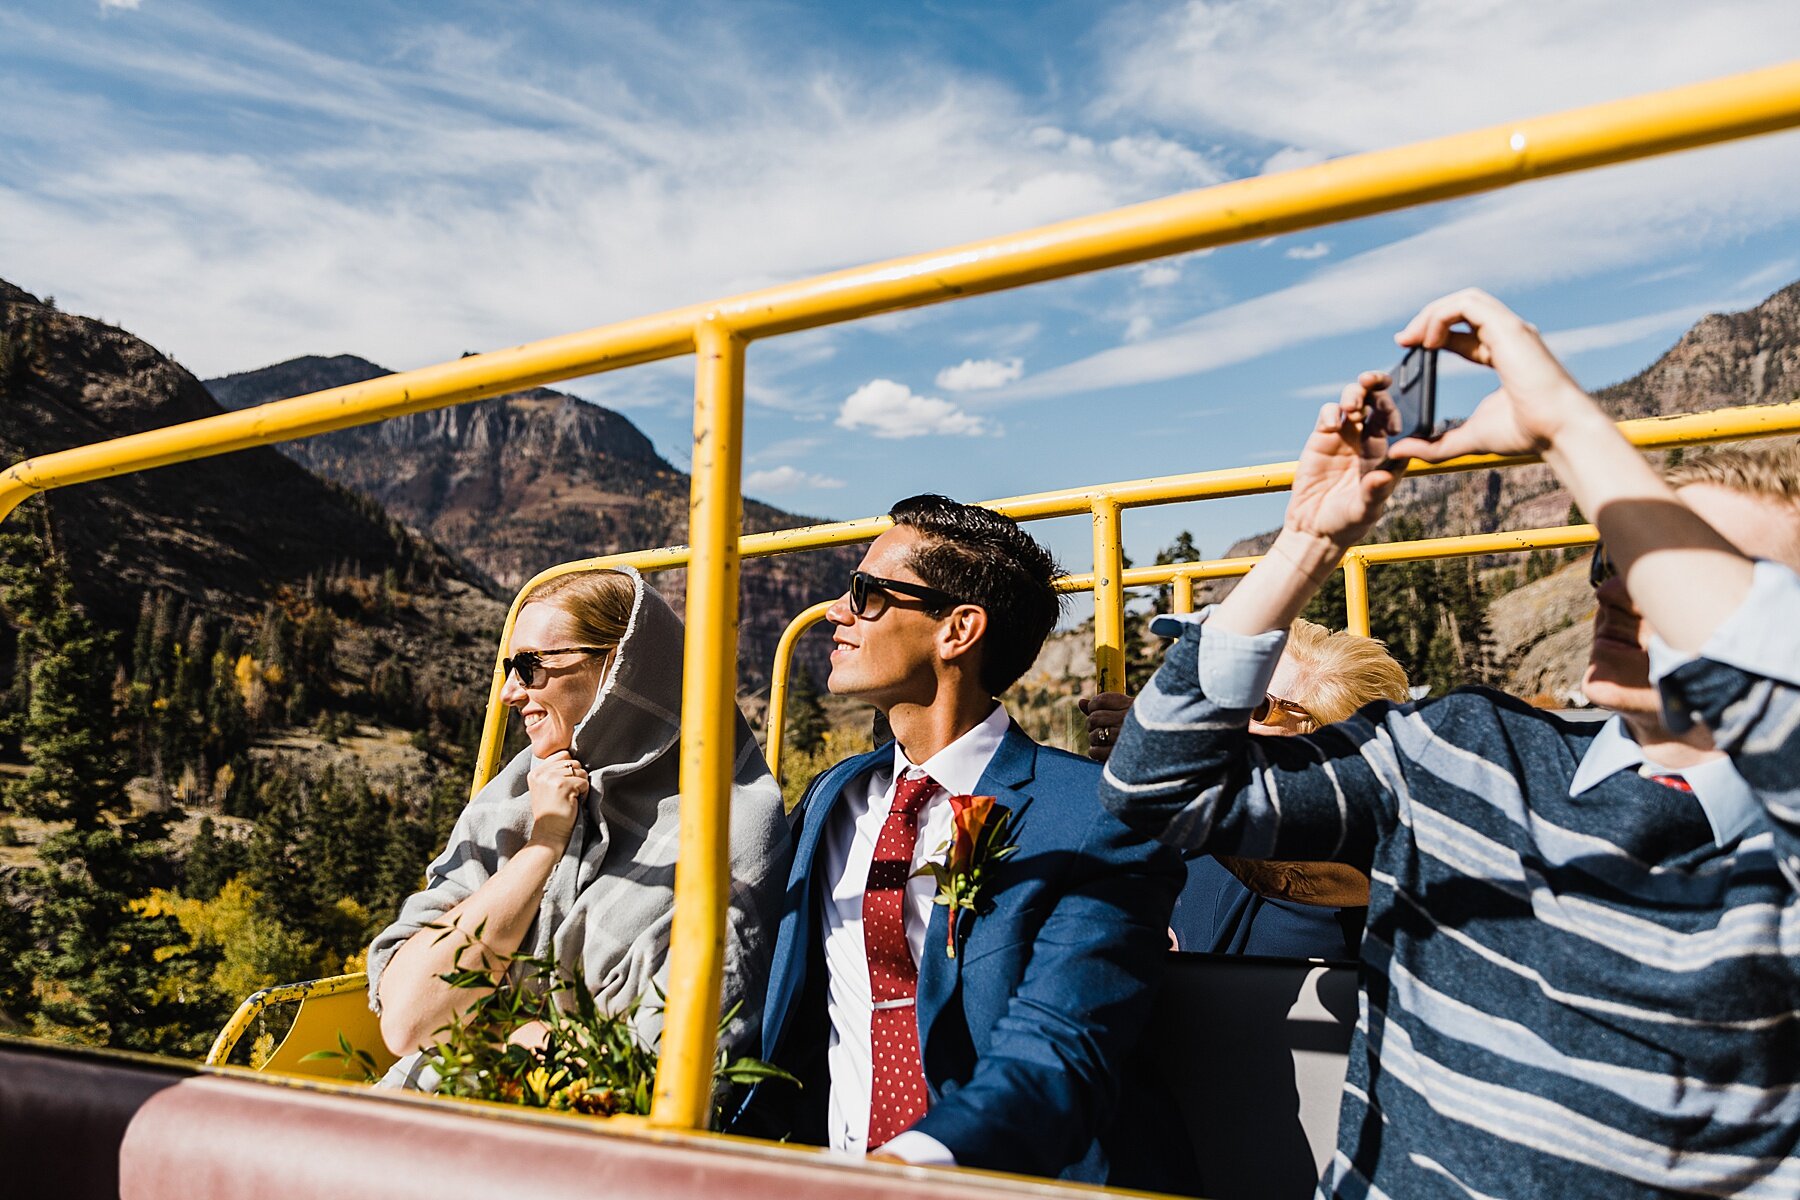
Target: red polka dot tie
897	1095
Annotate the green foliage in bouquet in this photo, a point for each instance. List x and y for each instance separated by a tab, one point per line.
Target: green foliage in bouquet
587	1061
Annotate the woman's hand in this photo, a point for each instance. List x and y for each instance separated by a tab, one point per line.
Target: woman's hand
559	787
1105	717
1340	484
1536	399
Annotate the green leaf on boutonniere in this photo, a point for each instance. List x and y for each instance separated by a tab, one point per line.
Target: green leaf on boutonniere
981	837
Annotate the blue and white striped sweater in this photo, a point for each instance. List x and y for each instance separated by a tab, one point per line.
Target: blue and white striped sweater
1561	996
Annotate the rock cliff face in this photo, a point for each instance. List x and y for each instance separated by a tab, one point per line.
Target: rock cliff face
228	534
524	481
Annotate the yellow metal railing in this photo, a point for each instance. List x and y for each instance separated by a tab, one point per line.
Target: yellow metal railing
1183	576
717	332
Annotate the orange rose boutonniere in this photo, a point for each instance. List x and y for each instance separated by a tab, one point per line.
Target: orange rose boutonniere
981	838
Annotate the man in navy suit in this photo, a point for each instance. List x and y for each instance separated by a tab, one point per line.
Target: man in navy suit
1005	1046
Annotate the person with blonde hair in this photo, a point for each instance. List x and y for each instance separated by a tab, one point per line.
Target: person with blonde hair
569	851
1282	908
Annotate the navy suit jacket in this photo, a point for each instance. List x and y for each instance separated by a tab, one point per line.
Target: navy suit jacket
1028	1032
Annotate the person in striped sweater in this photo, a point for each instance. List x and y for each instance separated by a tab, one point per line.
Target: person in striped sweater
1579	969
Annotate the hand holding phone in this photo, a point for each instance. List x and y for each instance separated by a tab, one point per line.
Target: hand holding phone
1411	399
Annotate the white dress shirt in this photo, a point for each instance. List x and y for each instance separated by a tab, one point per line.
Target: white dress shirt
850	836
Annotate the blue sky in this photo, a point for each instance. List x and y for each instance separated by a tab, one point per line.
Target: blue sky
406	181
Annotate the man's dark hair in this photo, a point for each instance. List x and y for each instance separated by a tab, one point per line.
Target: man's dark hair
983	558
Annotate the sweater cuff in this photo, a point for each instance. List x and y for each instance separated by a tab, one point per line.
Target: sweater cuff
1234	668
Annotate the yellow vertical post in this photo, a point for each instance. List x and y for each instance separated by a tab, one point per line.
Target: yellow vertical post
493	723
778	682
683	1098
1356	593
1109	596
1184	593
775	729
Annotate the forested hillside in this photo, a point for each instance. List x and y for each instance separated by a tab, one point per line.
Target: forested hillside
238	707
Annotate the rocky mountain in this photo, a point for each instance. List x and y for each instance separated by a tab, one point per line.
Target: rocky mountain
227	537
520	482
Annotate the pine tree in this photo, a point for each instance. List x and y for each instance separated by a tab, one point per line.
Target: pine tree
212	861
1182	550
806	723
78	765
102	969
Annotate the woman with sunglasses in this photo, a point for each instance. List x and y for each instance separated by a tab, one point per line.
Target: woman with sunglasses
569	851
1280	908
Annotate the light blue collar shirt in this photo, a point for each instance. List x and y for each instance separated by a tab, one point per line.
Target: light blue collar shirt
1726	799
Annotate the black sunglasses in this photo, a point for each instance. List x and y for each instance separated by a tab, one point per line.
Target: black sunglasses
1600	566
526	663
863	585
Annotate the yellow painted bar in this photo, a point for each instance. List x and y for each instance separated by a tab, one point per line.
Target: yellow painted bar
1356	593
684	1069
778	682
286	993
1647	433
1184	593
1554	538
1183	576
1358	185
1109	597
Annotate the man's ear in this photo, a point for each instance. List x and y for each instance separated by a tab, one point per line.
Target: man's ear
961	632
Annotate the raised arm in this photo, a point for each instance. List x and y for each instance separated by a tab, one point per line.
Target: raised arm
1744	686
1186	769
1340	488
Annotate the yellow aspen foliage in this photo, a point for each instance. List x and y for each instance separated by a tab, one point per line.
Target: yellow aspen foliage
255	949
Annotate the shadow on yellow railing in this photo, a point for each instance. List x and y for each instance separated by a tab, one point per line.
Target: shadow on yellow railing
717	333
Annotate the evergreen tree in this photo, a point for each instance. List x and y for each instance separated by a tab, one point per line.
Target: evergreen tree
1182	550
101	968
211	862
806	723
78	765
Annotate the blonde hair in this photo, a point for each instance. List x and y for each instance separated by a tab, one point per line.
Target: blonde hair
1766	472
1336	673
597	602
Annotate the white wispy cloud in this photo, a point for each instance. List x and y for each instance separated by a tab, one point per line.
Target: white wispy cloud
1584	339
1775	274
1356	77
1524	237
467	195
787	479
893	410
120	4
1312	251
980	374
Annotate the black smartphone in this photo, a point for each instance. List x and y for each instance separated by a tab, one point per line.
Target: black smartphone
1413	395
